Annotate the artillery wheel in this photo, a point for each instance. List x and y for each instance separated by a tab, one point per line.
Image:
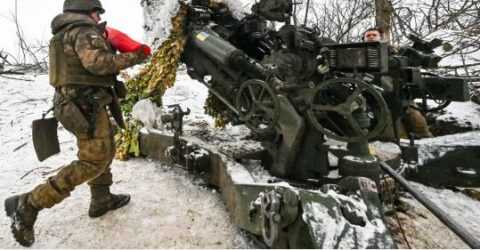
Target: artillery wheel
270	217
335	103
258	105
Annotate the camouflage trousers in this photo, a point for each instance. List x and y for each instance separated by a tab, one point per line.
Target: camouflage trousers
413	122
95	154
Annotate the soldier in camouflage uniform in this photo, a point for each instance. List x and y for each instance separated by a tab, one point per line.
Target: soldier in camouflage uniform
413	121
83	69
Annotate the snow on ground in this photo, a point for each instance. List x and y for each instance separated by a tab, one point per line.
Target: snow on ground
189	94
466	114
424	230
168	208
461	207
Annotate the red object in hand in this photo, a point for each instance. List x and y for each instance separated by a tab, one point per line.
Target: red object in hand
123	43
146	50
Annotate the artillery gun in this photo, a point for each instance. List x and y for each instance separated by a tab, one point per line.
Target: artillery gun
307	102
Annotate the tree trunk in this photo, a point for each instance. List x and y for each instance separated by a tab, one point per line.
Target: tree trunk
383	16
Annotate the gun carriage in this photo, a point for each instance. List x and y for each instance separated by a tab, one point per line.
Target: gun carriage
300	95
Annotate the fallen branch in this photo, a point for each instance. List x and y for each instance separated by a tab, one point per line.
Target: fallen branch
472	79
11	72
52	171
19	147
45	100
460	66
31	171
18	79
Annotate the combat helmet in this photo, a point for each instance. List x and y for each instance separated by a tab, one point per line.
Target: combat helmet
83	5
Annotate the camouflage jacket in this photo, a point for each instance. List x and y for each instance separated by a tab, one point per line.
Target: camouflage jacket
86	52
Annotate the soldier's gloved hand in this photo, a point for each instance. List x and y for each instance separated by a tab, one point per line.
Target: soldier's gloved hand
143	53
146	50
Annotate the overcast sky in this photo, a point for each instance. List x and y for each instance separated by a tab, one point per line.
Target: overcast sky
35	17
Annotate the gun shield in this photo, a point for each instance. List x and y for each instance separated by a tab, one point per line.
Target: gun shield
45	138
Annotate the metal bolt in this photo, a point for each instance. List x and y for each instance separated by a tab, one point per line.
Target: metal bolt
277	218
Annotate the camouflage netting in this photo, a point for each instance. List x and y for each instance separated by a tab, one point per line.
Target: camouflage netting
151	83
160	73
215	108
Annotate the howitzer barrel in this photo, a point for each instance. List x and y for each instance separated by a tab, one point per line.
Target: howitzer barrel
213	45
469	239
227	55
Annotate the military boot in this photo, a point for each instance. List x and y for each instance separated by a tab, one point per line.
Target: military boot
23	216
103	201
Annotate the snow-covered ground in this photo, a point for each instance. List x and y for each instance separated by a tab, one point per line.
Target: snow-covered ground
423	230
463	114
168	208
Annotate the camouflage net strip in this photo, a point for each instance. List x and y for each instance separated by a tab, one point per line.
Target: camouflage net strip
151	83
160	73
215	108
127	141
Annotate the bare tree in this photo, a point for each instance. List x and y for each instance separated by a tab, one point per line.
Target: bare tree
32	55
383	16
343	21
456	22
